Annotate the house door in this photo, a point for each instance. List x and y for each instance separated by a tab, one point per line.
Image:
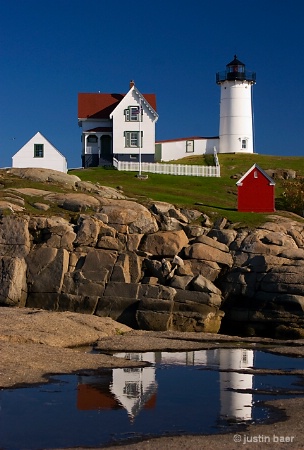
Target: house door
106	148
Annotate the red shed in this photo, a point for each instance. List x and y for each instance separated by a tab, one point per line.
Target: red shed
256	191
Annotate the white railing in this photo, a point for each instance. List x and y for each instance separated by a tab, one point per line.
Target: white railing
216	160
169	169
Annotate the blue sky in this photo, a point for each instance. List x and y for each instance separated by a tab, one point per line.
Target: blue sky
51	50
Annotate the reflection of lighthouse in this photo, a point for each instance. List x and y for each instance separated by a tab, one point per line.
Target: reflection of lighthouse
236	124
235	405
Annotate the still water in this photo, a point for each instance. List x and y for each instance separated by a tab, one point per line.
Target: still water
197	392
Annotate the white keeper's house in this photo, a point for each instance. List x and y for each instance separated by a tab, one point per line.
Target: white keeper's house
120	126
38	152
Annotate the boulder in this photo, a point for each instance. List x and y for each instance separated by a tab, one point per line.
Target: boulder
181	282
212	243
225	236
279	238
123	309
121	269
192	317
154	314
205	298
76	202
292	253
121	289
202	284
156	291
206	252
14	236
63	302
164	243
88	231
126	212
10	206
13	287
45	175
78	283
53	231
208	269
46	269
41	206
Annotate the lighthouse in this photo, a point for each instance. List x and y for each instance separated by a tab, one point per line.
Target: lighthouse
236	118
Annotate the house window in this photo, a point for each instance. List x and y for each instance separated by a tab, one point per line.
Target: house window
189	146
92	138
38	151
244	143
132	139
244	357
255	174
133	114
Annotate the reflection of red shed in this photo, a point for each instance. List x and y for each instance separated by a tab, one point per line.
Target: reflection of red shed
256	191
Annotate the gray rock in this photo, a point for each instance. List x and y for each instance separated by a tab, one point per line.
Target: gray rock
202	284
136	216
181	282
75	202
41	206
120	289
225	236
14	236
198	297
46	269
88	231
205	252
212	243
164	243
13	287
48	175
121	269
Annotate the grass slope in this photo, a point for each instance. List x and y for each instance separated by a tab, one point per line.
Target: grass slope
214	196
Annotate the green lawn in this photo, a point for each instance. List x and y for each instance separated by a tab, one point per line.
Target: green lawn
214	196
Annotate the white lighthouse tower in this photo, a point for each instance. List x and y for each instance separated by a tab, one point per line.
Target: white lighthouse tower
236	121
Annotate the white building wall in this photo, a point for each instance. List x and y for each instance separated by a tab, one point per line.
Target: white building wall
89	124
52	158
171	150
120	125
236	117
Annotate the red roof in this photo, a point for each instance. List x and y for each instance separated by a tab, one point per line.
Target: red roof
100	106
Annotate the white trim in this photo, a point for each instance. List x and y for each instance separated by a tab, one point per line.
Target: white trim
255	166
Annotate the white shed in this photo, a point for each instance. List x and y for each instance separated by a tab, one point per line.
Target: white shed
38	152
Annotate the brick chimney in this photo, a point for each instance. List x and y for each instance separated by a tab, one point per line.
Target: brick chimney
132	83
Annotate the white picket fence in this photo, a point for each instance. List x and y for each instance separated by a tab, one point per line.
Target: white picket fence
168	169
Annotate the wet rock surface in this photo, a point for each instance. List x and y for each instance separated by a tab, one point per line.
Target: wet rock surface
37	344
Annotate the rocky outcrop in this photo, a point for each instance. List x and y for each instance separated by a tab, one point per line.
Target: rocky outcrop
263	291
116	262
153	267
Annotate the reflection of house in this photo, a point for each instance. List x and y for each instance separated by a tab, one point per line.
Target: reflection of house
38	152
117	125
132	388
